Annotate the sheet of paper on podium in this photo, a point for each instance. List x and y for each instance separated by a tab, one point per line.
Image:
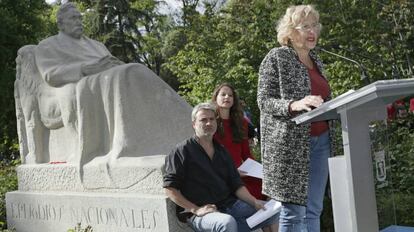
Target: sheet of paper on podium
252	168
272	207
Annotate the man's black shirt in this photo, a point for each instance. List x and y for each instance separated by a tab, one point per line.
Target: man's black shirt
200	179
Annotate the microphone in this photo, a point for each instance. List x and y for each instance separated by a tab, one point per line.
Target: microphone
375	59
362	69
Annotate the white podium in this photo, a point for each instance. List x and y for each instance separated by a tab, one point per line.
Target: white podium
351	176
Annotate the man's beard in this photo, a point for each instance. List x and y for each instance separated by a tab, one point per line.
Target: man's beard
75	33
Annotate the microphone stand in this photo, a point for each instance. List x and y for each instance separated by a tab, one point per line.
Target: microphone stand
395	74
362	69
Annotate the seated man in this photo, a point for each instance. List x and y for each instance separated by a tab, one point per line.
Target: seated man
202	180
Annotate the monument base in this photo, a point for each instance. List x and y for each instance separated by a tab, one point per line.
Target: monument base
121	212
52	197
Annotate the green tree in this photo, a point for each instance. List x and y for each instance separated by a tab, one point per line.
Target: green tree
22	22
173	41
226	44
229	44
371	35
132	30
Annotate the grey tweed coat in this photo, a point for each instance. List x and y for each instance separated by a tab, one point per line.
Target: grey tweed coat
285	145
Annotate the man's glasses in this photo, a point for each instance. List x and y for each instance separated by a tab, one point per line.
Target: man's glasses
309	27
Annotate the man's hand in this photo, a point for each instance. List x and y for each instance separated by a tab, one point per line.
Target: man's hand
102	64
243	194
113	61
180	200
259	205
205	209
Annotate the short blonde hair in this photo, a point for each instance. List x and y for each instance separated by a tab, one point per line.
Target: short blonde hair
293	17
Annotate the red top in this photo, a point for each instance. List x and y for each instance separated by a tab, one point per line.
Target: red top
412	105
240	152
319	86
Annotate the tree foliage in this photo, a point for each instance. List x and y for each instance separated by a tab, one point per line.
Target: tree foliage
132	30
229	44
225	46
395	198
8	182
22	22
369	35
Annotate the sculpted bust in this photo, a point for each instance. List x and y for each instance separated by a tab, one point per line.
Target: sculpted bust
76	103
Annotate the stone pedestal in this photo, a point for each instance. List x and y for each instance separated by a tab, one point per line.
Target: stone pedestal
59	211
51	197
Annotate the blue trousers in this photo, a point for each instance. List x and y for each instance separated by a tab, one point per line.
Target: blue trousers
232	219
297	218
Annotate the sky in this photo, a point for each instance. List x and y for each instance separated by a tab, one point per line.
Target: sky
173	5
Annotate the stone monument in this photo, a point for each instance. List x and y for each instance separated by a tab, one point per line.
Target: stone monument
93	133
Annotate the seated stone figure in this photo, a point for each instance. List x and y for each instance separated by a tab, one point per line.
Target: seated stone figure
71	91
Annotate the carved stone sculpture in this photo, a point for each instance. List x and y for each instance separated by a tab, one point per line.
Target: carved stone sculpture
93	135
78	104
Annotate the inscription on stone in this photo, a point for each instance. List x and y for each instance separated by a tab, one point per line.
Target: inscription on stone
121	217
42	212
134	218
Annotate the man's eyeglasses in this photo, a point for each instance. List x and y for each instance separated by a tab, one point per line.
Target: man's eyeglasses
309	27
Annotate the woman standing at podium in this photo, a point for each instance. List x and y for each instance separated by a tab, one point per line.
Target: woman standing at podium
295	157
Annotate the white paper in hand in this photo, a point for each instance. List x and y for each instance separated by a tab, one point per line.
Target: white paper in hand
272	207
252	168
